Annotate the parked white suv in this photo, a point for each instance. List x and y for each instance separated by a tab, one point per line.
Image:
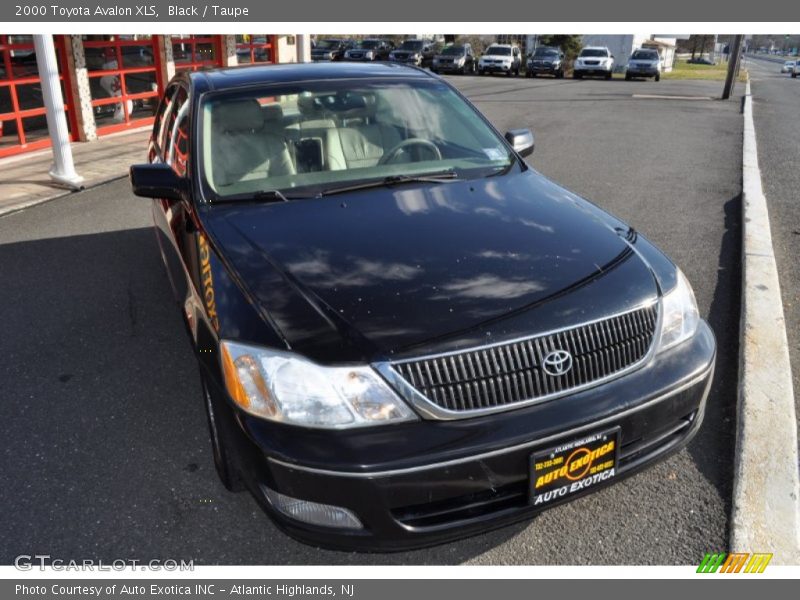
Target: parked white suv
501	58
594	60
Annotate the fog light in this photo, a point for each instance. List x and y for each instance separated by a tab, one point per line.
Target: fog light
314	513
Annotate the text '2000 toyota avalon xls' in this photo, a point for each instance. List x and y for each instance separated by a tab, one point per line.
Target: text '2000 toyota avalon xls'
405	333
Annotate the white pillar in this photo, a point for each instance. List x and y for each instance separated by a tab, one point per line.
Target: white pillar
303	48
63	169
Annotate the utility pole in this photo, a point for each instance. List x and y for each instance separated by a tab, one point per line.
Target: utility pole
733	66
63	169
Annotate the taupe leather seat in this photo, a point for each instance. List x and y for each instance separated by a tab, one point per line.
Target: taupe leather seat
247	143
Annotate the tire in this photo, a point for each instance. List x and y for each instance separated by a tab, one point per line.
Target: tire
219	429
794	75
628	77
608	76
529	75
577	76
560	75
657	77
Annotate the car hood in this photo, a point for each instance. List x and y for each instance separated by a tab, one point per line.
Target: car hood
413	269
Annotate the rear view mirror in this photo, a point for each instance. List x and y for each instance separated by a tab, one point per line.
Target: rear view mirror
156	180
521	140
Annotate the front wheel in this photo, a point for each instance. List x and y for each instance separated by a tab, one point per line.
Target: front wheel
608	75
658	77
560	75
794	75
220	422
628	77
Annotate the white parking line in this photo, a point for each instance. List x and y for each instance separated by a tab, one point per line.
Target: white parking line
669	97
765	516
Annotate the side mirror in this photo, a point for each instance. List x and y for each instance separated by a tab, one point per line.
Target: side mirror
521	140
156	180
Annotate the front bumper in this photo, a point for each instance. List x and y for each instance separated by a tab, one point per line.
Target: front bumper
543	69
495	67
448	67
641	72
429	482
592	69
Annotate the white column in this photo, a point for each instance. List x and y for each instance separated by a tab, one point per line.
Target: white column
63	169
303	48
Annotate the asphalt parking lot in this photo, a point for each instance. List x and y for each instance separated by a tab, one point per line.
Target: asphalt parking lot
106	452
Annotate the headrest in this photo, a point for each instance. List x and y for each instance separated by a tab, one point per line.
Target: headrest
239	115
358	105
272	113
308	104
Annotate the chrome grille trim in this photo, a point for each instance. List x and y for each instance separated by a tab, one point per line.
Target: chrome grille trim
508	375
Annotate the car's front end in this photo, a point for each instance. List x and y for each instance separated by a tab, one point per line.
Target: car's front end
645	67
544	64
409	54
362	53
597	63
449	63
496	63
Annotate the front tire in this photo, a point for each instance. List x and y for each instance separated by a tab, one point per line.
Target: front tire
219	428
628	77
608	76
658	77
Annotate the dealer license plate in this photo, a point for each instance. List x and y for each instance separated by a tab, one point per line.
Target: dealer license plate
571	467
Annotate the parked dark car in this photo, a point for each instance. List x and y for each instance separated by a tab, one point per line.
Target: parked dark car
415	52
370	50
330	50
456	58
405	333
545	61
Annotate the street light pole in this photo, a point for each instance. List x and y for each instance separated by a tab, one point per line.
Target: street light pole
63	169
733	66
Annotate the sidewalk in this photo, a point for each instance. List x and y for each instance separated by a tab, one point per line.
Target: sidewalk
24	179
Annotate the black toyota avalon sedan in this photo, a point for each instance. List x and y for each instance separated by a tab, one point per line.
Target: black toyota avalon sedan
405	333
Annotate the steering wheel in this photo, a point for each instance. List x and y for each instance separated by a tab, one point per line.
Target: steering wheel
392	154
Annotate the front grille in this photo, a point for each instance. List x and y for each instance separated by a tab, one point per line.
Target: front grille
505	374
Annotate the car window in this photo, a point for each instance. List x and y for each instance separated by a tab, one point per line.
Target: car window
594	52
177	143
305	138
178	99
161	117
645	55
498	51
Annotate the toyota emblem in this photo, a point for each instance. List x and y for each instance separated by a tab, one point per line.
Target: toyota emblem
557	362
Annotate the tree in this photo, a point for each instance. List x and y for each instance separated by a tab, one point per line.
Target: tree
570	44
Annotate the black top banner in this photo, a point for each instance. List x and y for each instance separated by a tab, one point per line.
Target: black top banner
349	11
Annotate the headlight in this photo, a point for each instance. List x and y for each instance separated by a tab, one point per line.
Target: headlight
370	54
681	317
285	387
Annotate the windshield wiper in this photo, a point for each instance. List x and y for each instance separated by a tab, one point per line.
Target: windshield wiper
261	196
440	177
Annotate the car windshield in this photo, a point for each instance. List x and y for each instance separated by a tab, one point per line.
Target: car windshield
498	51
411	45
328	44
644	55
594	52
545	53
368	44
453	50
304	139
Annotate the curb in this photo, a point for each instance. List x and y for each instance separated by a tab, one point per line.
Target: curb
765	516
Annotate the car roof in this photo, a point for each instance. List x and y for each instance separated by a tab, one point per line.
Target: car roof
292	72
594	48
